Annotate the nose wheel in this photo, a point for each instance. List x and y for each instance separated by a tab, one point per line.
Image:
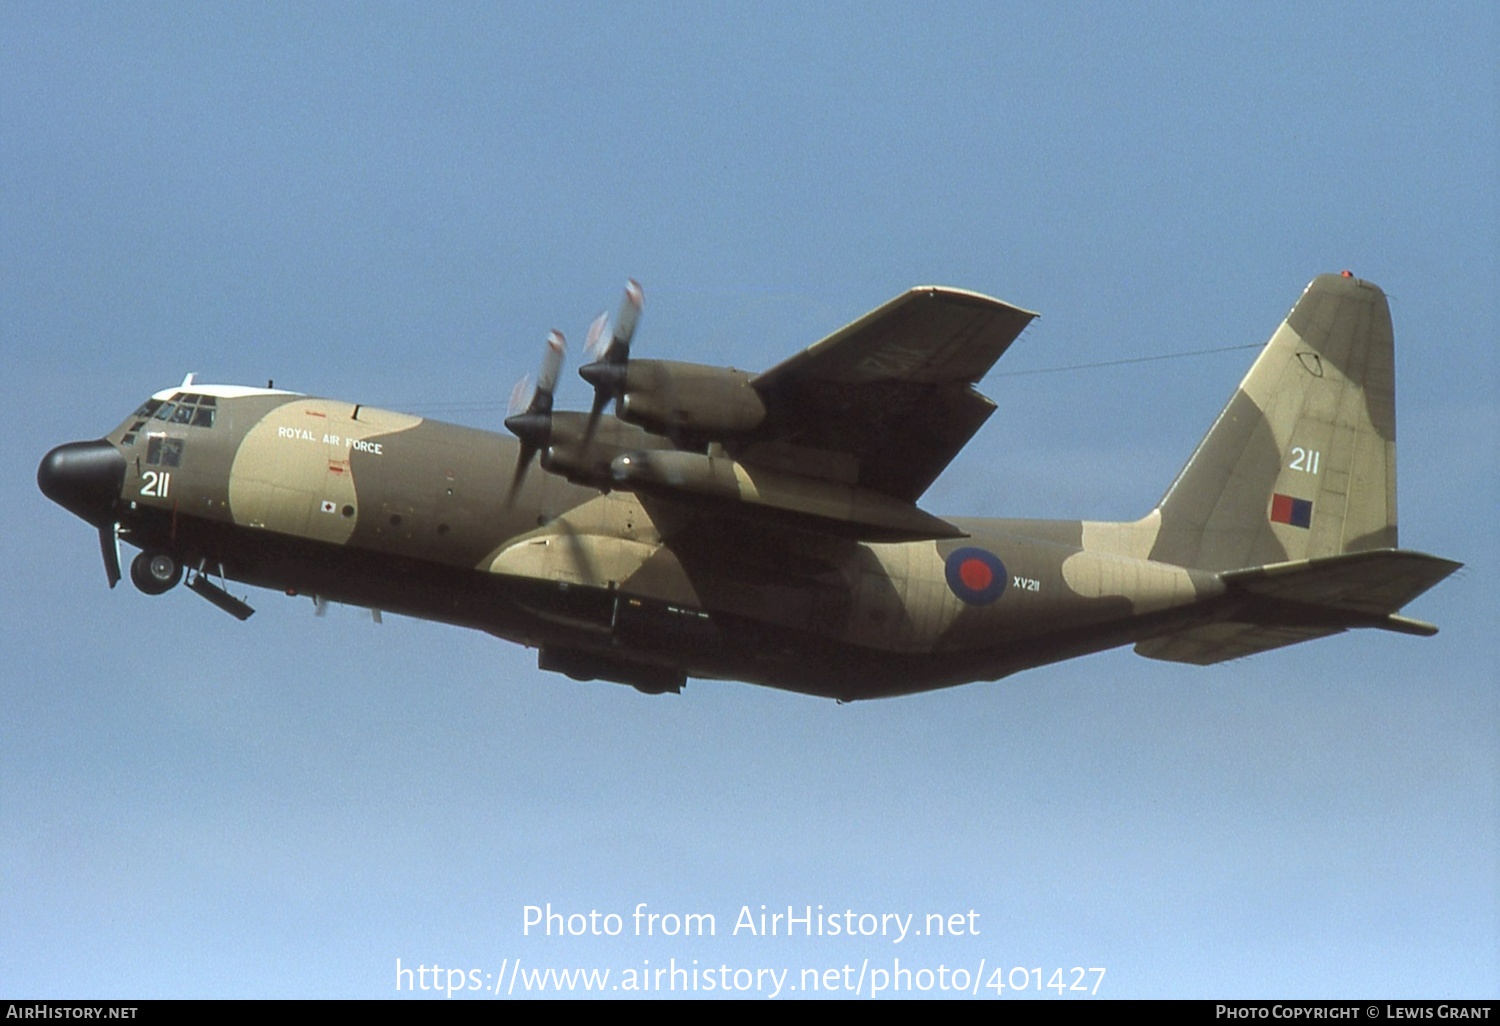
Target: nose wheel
155	572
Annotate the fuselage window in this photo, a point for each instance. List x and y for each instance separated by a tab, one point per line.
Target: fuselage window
162	451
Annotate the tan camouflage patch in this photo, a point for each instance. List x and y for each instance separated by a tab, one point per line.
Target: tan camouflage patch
599	544
1148	586
902	602
1132	540
292	471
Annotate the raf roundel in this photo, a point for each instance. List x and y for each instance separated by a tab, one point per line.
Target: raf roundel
975	575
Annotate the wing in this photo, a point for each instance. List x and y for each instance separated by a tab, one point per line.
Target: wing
888	401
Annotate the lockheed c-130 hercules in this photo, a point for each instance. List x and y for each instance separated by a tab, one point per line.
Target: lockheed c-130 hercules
765	527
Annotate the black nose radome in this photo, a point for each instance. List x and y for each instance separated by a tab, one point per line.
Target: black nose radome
84	478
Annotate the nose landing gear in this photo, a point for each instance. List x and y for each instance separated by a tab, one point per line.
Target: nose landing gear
155	573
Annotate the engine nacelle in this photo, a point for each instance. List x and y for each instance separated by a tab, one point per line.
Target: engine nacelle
690	399
587	460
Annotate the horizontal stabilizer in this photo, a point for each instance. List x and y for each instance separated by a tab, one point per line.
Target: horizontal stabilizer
1286	603
1221	642
1375	583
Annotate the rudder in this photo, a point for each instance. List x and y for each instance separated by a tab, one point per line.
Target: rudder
1302	461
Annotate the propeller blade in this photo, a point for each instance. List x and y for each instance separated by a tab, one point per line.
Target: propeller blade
601	400
625	321
320	606
592	346
533	426
375	615
520	395
552	359
109	548
523	463
607	374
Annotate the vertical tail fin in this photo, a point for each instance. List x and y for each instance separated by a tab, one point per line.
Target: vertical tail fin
1302	462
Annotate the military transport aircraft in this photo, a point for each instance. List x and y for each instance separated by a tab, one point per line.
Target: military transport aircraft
765	527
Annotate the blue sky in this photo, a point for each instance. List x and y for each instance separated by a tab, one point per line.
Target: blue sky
393	204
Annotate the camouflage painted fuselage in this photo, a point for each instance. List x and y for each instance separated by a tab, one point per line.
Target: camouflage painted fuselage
409	515
757	559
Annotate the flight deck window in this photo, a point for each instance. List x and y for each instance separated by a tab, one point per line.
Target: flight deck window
188	408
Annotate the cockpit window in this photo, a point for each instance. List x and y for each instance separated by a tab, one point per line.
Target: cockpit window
190	409
183	408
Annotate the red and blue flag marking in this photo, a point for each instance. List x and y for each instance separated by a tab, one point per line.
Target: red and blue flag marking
1287	510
